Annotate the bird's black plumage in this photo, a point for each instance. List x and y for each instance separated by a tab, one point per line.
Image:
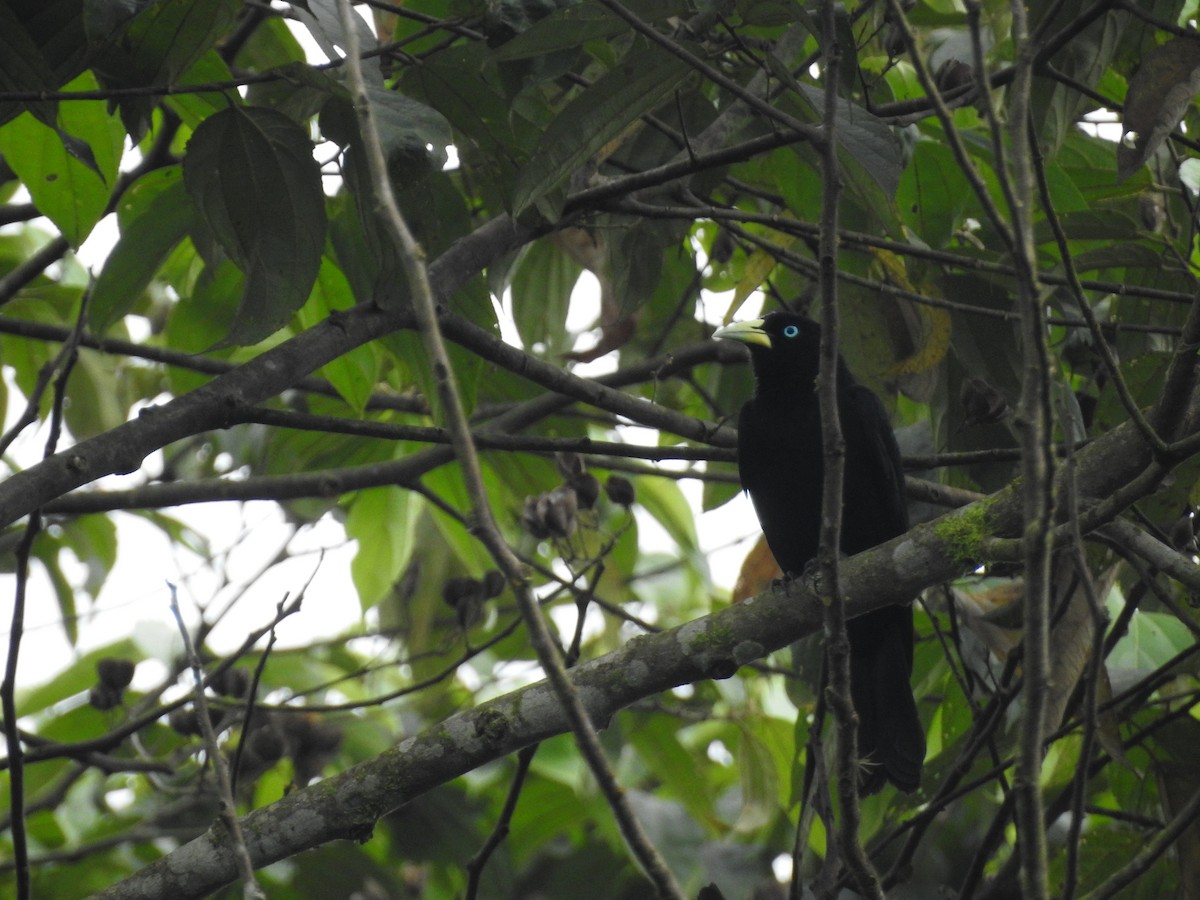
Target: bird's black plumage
781	464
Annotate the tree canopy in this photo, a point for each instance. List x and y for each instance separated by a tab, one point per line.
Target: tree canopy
349	288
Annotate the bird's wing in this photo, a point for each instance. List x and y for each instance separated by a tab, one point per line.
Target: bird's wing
870	438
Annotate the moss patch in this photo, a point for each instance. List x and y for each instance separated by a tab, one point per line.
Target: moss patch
965	533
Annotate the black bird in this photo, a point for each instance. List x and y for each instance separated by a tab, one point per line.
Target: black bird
781	464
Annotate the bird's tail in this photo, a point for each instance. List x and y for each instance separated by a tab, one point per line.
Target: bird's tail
891	741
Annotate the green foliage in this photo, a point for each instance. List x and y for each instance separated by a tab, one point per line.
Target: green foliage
252	176
250	336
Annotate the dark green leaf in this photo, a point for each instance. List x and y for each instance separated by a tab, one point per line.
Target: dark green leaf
161	42
933	194
414	136
251	173
42	46
639	83
576	24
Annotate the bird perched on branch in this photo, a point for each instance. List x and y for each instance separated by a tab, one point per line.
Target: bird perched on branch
781	464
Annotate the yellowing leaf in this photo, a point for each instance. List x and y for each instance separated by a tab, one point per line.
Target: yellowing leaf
760	265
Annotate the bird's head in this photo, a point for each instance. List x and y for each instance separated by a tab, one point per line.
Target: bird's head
784	347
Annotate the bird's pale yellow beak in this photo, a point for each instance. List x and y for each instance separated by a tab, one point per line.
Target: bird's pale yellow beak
748	332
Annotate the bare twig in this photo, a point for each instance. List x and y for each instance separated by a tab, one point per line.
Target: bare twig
1091	688
833	450
282	611
1034	426
61	367
1150	853
758	104
483	524
1107	355
227	806
953	138
475	865
16	757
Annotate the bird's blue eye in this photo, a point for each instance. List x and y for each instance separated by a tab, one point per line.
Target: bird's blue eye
790	331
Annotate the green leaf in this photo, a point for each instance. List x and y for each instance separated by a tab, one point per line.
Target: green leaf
193	108
638	85
46	550
1152	639
159	44
868	150
563	29
252	174
662	499
200	319
382	520
572	26
718	493
447	483
93	540
100	395
155	213
39	51
656	740
542	281
1063	191
75	679
759	779
70	191
1089	225
353	374
1122	255
933	194
463	87
272	45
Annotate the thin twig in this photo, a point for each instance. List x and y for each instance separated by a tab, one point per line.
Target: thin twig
1091	688
483	524
475	865
1150	853
282	611
227	807
62	366
1108	356
833	450
751	99
953	138
1034	426
16	757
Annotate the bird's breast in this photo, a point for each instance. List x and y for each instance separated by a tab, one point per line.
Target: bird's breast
781	467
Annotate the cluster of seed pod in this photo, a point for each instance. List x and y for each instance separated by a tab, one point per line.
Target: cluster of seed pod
232	682
113	675
554	514
308	741
466	596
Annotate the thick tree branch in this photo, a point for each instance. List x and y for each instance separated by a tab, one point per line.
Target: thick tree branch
347	805
122	449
